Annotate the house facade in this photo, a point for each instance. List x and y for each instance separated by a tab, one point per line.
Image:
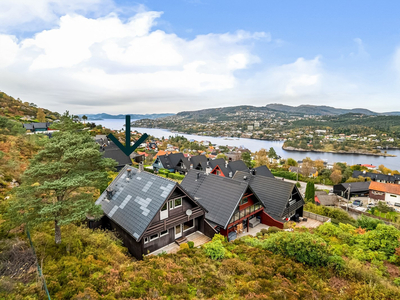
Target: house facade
150	212
174	162
388	192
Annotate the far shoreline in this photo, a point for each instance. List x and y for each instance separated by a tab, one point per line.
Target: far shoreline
337	152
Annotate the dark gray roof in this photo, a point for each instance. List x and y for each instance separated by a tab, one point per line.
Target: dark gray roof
196	160
237	165
136	202
110	150
31	126
170	161
376	176
264	171
273	193
357	186
219	195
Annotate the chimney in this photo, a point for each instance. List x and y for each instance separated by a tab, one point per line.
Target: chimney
253	171
230	174
191	166
141	169
197	176
109	193
226	164
129	172
245	177
208	170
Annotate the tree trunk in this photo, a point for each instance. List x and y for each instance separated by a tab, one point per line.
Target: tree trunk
57	232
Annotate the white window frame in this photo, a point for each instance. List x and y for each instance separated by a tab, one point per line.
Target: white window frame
146	240
171	204
150	239
164	213
178	205
183	225
164	234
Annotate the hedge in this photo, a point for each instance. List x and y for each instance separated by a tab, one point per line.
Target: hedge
176	176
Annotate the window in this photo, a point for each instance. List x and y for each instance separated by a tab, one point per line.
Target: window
394	196
163	233
146	240
188	225
153	237
244	201
218	172
178	203
171	204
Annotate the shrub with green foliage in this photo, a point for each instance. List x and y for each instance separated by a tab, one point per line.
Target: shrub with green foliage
368	223
163	171
176	176
286	174
215	249
336	214
191	244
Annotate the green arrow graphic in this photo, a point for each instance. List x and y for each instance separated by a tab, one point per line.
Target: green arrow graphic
128	149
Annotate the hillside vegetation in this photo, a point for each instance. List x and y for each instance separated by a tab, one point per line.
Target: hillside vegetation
17	109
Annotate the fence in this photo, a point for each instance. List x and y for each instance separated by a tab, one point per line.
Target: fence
320	218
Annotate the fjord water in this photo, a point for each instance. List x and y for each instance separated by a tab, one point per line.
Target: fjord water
255	145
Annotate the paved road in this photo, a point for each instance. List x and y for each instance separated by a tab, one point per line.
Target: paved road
304	184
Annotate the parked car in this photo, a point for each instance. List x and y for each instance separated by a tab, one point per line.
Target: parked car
357	203
371	205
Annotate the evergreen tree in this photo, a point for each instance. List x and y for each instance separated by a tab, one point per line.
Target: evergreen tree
272	153
246	157
310	192
59	183
84	118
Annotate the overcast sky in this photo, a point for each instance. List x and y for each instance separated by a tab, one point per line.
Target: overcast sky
155	56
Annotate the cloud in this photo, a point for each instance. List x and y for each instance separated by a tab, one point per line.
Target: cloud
361	52
106	61
30	15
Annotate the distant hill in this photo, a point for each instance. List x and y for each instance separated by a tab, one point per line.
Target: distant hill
17	109
103	116
319	110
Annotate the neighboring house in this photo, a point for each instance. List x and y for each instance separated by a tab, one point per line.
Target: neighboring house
151	146
110	150
262	171
313	171
175	162
227	169
137	157
230	204
322	198
149	211
37	127
360	189
378	177
388	192
232	156
282	199
198	162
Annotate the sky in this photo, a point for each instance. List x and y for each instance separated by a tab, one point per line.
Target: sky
157	56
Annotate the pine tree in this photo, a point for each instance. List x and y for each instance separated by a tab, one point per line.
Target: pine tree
310	192
58	185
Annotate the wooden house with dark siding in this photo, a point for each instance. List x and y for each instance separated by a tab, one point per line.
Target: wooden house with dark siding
149	211
229	203
174	162
282	201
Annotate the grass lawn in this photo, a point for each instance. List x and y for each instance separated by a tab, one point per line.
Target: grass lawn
390	215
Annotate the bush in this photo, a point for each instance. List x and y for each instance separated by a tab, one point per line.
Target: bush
163	171
368	223
298	184
274	229
215	249
264	230
302	246
176	176
191	244
184	246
